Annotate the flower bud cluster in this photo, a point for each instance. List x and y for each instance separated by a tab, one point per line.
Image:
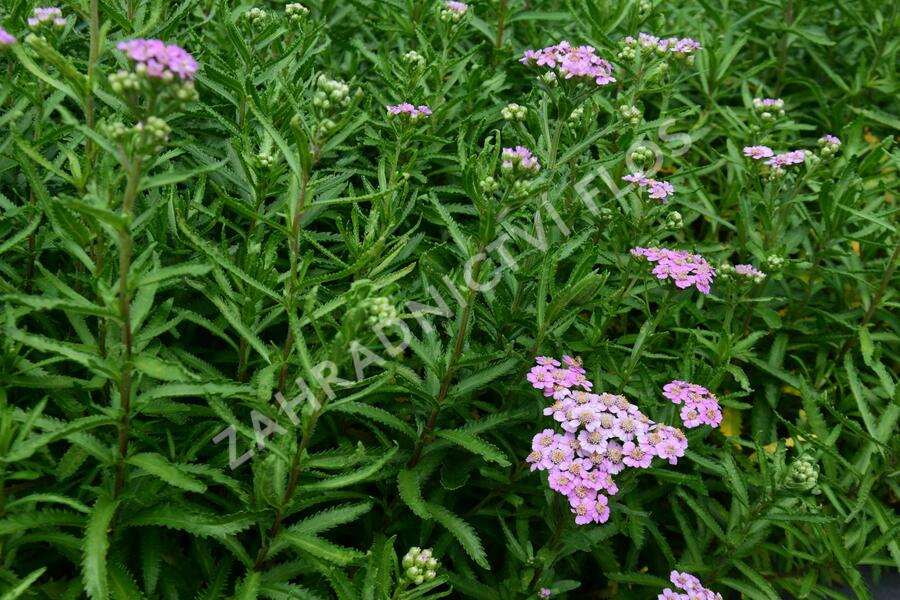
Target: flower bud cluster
514	112
829	145
632	114
674	221
549	78
489	185
605	214
454	11
124	81
330	94
296	12
265	159
419	566
43	18
146	136
768	109
255	17
803	475
774	262
414	59
642	156
576	116
381	311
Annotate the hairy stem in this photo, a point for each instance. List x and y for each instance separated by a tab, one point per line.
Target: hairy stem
125	244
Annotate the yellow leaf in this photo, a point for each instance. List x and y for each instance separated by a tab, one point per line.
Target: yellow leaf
731	422
855	245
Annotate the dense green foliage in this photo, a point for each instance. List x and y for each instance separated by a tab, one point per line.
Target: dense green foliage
170	303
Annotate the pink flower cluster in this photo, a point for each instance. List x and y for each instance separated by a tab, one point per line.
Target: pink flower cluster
776	161
6	39
46	15
571	61
749	271
689	584
602	434
700	406
764	103
412	112
457	7
758	152
519	158
830	139
159	60
659	190
684	268
784	159
683	46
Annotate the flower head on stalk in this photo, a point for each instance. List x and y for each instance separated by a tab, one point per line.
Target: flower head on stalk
296	12
407	111
161	80
694	590
158	60
785	159
658	190
758	152
578	63
768	109
651	45
454	11
683	268
699	405
829	145
46	17
6	38
744	271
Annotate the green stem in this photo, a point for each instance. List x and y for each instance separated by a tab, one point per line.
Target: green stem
293	479
299	206
451	368
501	24
125	241
93	55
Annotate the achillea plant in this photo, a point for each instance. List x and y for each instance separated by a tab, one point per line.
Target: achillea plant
281	284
